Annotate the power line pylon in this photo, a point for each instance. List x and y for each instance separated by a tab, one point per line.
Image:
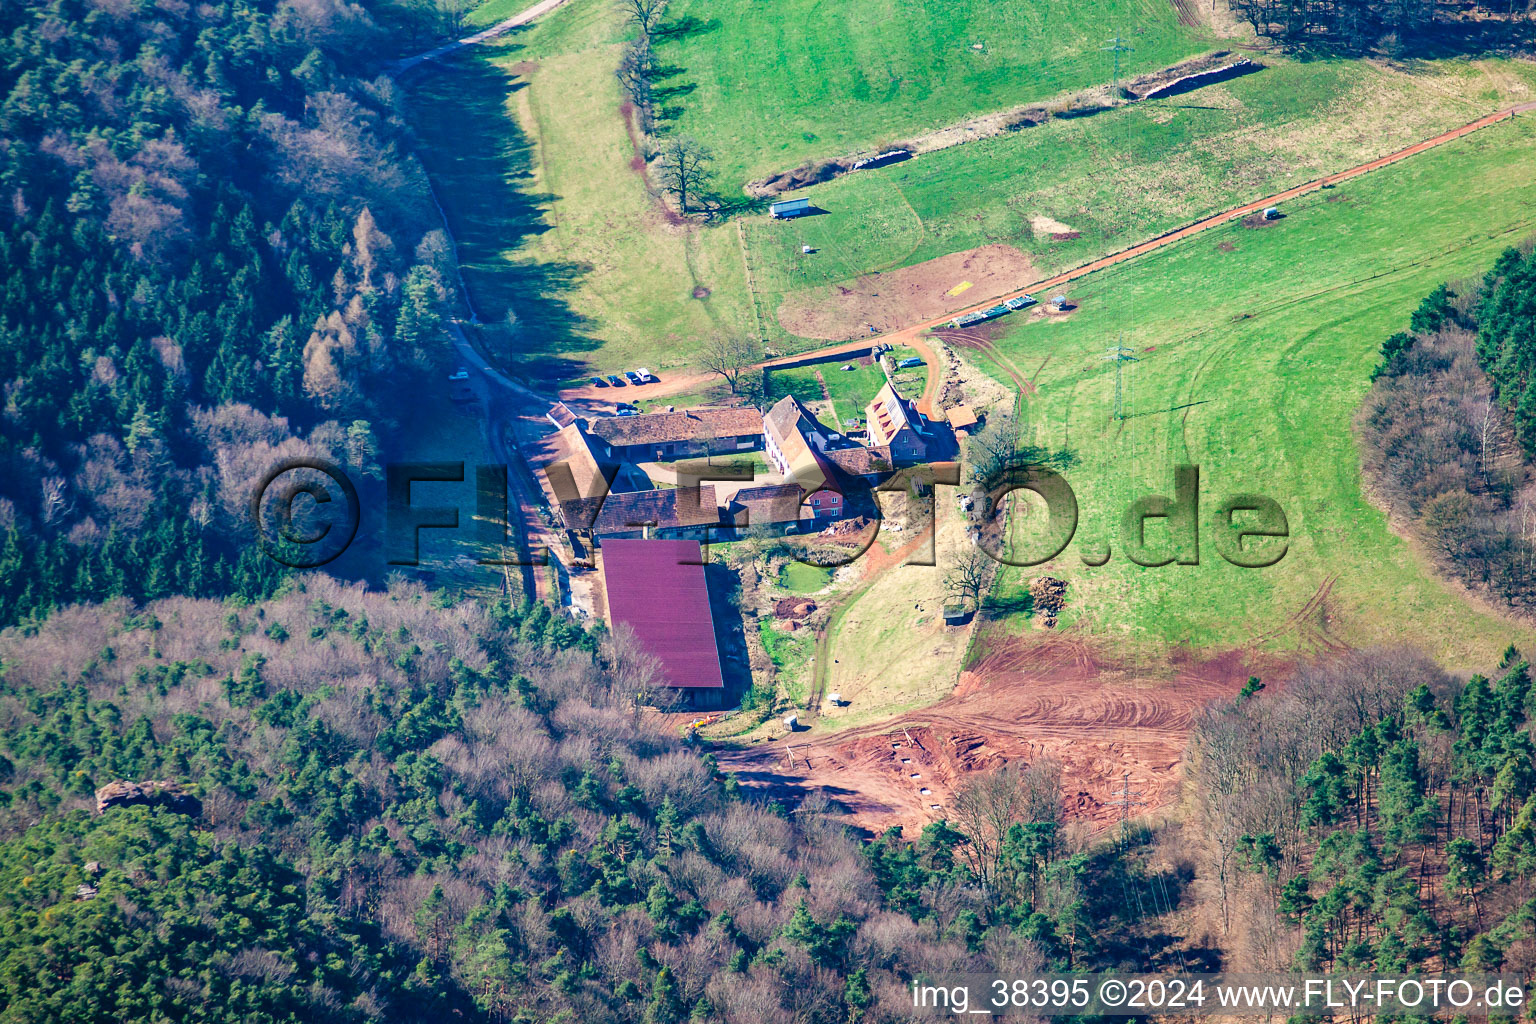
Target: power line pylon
1125	801
1117	46
1120	355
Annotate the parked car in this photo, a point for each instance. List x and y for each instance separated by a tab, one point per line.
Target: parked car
646	376
633	377
615	381
462	373
627	412
598	382
908	362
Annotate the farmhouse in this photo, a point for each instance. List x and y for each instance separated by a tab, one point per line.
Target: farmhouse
895	422
575	480
658	589
794	441
669	435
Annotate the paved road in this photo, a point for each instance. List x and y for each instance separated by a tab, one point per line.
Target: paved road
500	28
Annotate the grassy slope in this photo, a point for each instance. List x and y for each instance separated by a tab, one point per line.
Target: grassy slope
1252	365
768	86
550	218
1129	174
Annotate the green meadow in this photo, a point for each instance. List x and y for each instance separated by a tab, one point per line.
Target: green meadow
1129	174
769	86
536	170
532	162
1254	349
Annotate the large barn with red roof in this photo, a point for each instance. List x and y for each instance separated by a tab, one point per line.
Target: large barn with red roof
657	588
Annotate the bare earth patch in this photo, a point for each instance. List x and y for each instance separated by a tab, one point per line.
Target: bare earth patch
1045	227
1032	699
895	299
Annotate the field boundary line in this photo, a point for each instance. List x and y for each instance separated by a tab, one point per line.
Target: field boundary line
746	265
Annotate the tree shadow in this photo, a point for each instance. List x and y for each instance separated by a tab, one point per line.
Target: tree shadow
684	28
672	91
725	604
482	170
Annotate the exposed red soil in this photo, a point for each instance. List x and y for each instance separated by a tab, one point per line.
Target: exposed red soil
892	299
793	607
1028	699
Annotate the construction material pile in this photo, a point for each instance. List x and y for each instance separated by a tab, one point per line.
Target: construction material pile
793	608
847	529
1049	594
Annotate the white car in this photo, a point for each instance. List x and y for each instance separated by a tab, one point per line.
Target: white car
460	374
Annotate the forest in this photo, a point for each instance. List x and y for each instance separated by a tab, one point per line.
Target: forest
212	253
1449	428
1375	814
1398	28
410	807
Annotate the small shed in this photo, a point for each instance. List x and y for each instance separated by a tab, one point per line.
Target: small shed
1271	213
791	722
835	698
957	614
962	417
786	208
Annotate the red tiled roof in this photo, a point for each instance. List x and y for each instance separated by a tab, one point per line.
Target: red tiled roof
665	508
861	461
686	425
657	588
772	503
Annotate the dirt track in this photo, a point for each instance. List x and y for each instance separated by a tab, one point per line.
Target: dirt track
910	335
1035	698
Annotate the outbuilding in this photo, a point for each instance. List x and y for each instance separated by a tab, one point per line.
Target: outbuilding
786	208
657	588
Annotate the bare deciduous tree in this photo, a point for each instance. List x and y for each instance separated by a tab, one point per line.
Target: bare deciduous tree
993	446
685	170
986	805
968	574
731	356
636	67
643	14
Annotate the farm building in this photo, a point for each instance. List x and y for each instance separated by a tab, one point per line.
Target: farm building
561	415
873	463
669	512
658	589
895	422
789	208
670	435
794	440
777	506
962	418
